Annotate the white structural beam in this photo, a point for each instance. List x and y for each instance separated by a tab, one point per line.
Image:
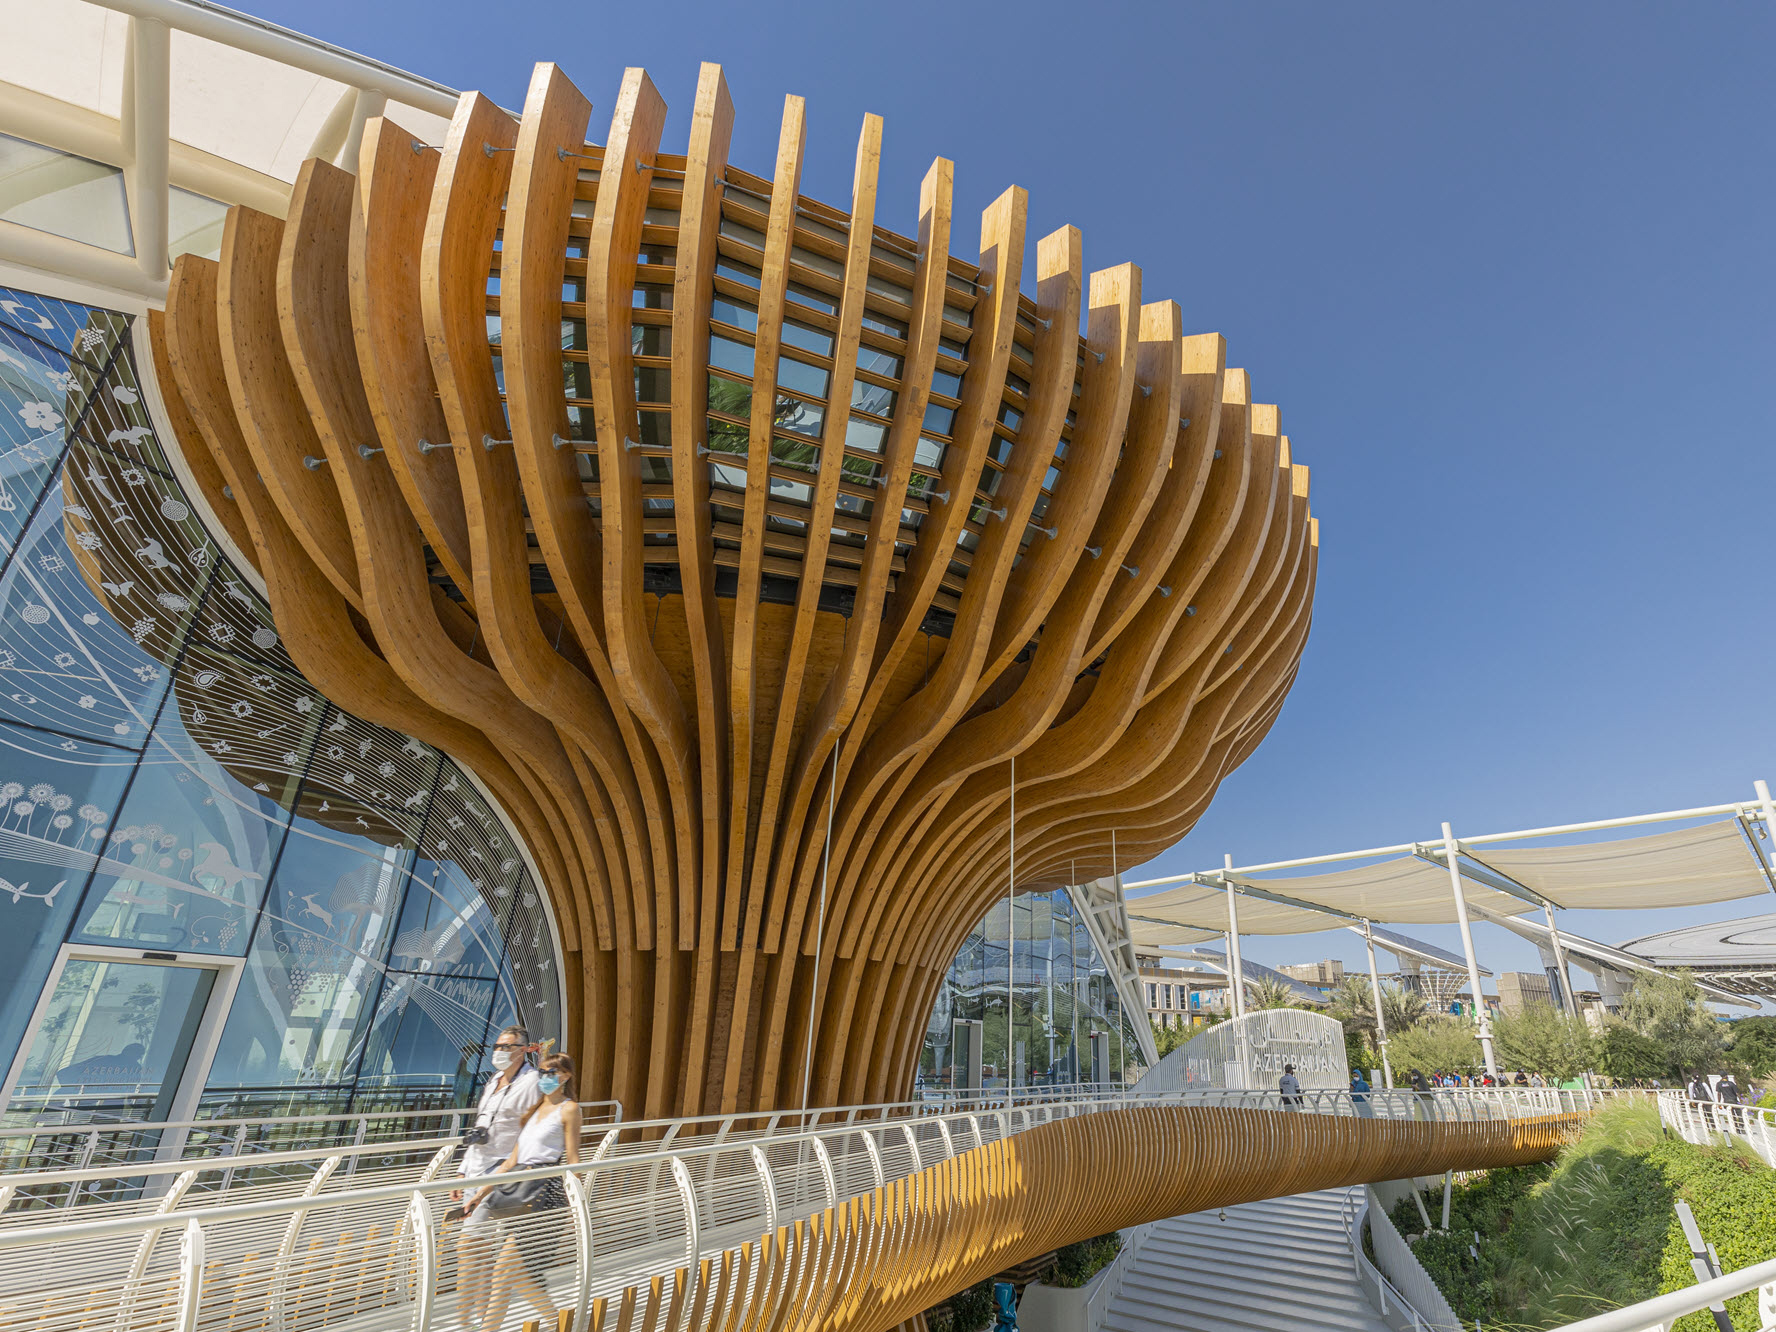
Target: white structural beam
1452	851
1103	910
147	134
1381	1031
247	33
1409	848
1238	996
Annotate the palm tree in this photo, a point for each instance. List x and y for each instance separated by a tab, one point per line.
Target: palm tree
1270	993
1353	1004
1402	1009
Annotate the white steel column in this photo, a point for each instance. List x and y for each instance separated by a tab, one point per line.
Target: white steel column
1769	807
1467	933
147	141
1236	971
1381	1031
1567	998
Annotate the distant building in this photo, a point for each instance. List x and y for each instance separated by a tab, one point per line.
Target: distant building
1178	998
1519	989
1325	974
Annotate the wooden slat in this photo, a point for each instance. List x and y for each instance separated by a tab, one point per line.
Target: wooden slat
661	718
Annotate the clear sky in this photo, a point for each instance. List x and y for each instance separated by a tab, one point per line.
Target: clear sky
1506	268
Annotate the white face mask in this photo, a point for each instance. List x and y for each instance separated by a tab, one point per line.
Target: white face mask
502	1059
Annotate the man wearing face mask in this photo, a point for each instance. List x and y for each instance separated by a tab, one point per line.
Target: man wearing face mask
505	1101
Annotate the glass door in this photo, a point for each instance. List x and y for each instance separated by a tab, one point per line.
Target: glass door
114	1036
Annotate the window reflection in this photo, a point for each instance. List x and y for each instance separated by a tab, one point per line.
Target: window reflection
162	745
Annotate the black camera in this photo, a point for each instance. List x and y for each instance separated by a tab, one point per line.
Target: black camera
476	1136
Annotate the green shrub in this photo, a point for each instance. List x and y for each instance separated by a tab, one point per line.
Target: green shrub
1596	1229
970	1310
1078	1263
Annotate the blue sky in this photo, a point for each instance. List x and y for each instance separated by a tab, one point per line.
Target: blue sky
1507	270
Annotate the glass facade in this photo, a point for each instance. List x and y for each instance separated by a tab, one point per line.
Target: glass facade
1061	995
219	892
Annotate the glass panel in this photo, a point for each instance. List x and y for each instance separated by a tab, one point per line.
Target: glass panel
805	418
187	864
872	398
808	296
939	420
878	362
808	339
737	271
653	383
428	1034
55	808
942	381
733	312
62	194
116	1031
726	354
730	397
650	339
194	225
865	435
800	377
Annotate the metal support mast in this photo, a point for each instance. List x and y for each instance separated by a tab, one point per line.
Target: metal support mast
1467	933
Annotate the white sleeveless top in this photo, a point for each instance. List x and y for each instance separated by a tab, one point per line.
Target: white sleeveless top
541	1141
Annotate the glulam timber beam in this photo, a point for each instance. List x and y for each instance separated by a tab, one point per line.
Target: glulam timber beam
744	548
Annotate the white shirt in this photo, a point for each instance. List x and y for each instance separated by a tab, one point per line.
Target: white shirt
501	1110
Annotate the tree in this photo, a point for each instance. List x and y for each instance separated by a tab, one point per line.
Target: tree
1269	993
1623	1052
1402	1009
1167	1039
1751	1043
1542	1039
1353	1004
1437	1045
1667	1007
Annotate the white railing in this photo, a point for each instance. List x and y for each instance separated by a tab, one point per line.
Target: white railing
1097	1304
339	1243
1701	1122
1658	1313
1404	1295
52	1153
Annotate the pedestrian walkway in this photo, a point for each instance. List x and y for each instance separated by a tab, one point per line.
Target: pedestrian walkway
1282	1265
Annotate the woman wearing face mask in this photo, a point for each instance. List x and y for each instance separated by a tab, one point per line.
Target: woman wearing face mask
549	1135
508	1097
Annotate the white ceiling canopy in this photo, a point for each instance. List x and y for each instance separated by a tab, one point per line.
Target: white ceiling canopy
254	110
1503	876
1709	863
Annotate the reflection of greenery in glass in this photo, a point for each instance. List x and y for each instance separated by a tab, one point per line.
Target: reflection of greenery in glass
725	437
859	471
793	453
729	397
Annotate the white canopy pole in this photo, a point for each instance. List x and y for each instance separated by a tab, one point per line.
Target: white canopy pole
1769	807
1567	998
1236	969
1461	915
1381	1029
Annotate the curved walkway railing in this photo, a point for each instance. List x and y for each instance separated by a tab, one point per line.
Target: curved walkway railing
96	1144
1701	1121
351	1243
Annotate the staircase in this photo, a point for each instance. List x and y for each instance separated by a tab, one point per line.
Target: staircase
1282	1265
